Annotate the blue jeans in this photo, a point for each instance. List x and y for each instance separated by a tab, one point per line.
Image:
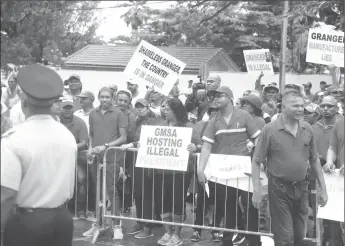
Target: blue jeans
289	211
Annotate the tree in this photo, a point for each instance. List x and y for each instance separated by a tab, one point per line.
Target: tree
232	25
34	31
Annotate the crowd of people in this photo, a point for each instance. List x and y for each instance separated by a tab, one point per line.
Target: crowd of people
266	124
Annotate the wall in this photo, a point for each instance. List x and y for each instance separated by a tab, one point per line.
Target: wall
238	82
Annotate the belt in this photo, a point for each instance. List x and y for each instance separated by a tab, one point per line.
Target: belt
291	183
17	209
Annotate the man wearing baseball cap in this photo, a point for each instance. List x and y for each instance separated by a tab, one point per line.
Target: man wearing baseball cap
79	130
312	113
86	99
75	88
133	87
309	97
39	151
323	133
227	133
323	85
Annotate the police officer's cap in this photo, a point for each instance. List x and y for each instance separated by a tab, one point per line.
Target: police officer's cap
40	85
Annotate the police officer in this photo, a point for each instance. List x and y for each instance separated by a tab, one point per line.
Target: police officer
37	167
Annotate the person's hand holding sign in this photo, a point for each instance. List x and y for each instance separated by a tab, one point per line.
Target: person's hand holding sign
192	148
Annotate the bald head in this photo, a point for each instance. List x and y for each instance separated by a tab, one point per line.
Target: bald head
213	82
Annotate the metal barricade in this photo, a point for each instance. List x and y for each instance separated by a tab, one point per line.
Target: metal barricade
128	170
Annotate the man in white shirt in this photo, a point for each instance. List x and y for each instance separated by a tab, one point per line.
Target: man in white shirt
86	99
37	167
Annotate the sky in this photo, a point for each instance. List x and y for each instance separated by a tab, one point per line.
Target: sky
112	25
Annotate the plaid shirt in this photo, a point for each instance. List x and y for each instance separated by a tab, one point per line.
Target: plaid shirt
6	124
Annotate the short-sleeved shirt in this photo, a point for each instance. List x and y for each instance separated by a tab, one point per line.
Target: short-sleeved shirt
104	128
288	157
337	141
231	139
84	116
78	128
38	160
131	119
322	136
259	121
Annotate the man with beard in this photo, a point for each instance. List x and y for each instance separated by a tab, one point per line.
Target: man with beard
323	132
108	127
312	113
79	130
270	105
134	89
75	87
86	99
226	133
202	99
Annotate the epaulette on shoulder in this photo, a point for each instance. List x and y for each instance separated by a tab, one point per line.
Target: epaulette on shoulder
8	133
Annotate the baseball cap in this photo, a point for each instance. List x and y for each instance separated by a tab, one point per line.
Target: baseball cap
308	84
131	81
271	86
66	102
87	94
126	92
323	82
74	76
313	108
142	102
226	90
293	86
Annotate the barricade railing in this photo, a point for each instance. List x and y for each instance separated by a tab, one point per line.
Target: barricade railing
123	169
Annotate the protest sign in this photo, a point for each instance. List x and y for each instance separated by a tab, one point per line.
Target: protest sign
325	47
231	170
258	61
334	209
163	147
153	67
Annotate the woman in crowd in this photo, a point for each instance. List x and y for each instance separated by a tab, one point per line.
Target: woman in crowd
143	181
252	104
171	186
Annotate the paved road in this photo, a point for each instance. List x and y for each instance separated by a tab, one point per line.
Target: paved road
81	225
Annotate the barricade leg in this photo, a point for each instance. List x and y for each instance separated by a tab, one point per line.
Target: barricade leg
100	204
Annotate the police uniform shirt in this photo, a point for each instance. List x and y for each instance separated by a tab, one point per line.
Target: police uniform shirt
32	162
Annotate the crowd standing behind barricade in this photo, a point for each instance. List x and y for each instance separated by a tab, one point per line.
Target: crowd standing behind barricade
220	126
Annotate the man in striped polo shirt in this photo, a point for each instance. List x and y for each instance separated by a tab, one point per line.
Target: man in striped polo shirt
226	133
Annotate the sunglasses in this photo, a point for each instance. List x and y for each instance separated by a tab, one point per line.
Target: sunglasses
327	105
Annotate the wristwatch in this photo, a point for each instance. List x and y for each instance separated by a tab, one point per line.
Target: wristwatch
106	145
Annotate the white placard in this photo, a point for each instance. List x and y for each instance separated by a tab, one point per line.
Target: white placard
325	47
163	147
231	170
153	67
258	61
334	209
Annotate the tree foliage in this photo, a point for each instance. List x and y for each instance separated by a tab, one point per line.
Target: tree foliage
232	25
38	31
